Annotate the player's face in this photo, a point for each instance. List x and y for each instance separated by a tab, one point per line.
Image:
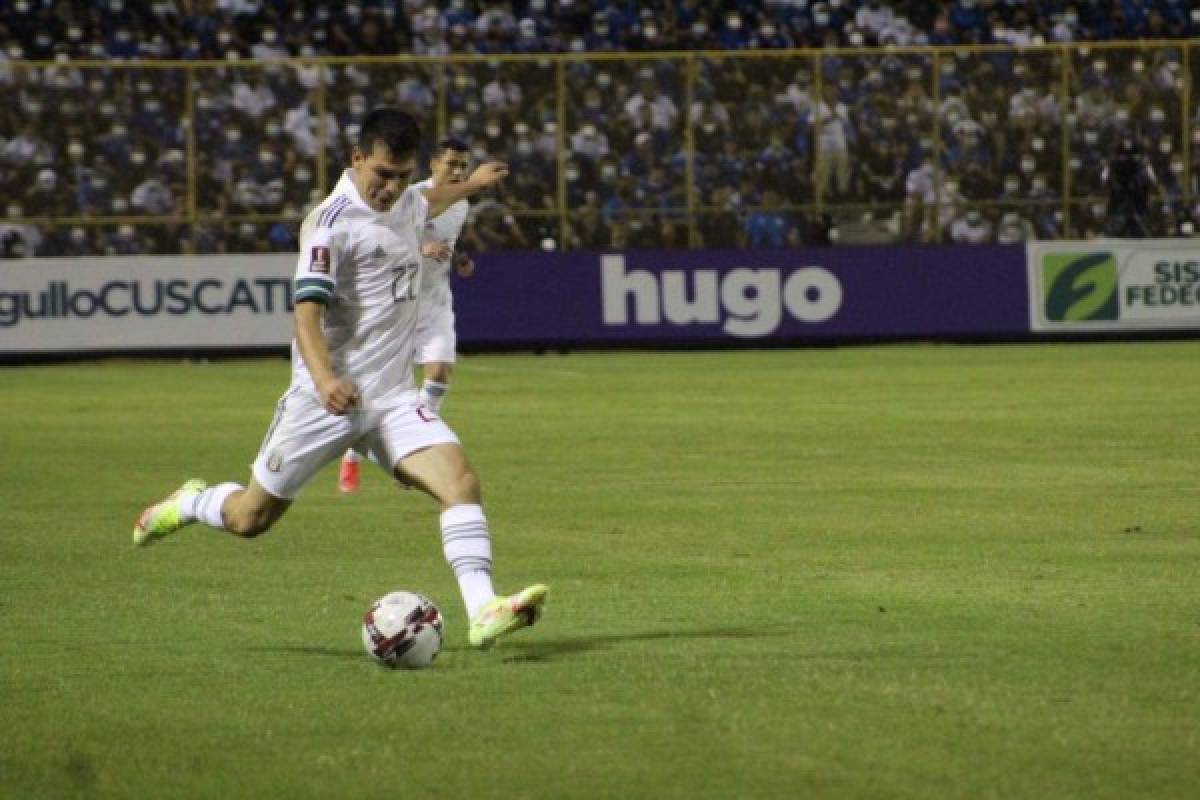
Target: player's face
381	177
450	167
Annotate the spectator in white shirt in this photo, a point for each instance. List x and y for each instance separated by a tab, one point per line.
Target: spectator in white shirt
498	18
17	239
662	107
301	123
26	147
918	195
873	16
1014	229
152	197
268	45
502	94
248	7
831	123
253	97
799	93
971	228
589	142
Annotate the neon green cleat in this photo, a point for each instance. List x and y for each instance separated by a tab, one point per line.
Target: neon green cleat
165	517
504	615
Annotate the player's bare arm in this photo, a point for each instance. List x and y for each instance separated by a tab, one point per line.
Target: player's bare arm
337	394
442	197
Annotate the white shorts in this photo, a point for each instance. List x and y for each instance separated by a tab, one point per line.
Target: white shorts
304	437
436	341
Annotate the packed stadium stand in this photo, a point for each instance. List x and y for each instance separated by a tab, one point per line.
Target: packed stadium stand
210	126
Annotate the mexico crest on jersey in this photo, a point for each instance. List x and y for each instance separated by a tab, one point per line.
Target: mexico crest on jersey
320	260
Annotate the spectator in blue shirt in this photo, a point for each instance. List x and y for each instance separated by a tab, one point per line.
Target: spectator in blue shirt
767	226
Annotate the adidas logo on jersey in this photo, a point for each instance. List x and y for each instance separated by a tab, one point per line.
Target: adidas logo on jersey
379	256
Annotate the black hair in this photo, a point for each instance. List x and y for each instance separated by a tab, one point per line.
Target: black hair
397	130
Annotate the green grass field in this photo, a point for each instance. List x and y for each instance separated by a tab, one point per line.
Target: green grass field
916	571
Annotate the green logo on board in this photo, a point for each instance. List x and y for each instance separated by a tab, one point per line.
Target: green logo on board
1079	287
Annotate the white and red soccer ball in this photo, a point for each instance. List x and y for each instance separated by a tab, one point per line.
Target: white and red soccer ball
403	629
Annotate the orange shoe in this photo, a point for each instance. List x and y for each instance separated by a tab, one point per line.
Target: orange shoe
348	475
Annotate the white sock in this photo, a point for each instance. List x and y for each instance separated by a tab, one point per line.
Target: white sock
433	394
351	456
206	506
468	549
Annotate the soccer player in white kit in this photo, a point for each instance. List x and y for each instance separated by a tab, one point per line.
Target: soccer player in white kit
356	311
436	342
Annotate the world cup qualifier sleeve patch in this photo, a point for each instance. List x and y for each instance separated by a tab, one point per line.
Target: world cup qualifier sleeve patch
320	260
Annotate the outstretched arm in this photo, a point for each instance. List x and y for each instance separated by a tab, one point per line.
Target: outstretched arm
442	197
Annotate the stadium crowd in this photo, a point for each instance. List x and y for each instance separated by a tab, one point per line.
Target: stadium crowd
970	146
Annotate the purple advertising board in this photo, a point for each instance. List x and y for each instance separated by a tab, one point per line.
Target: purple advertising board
744	296
540	300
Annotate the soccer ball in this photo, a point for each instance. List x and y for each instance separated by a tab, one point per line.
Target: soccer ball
403	629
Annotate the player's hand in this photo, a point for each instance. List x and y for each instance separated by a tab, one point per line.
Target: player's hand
464	265
488	174
438	251
338	396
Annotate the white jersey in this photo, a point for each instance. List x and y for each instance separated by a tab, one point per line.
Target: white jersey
435	275
365	267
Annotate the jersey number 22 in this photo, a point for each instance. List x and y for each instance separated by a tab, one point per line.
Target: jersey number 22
405	293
